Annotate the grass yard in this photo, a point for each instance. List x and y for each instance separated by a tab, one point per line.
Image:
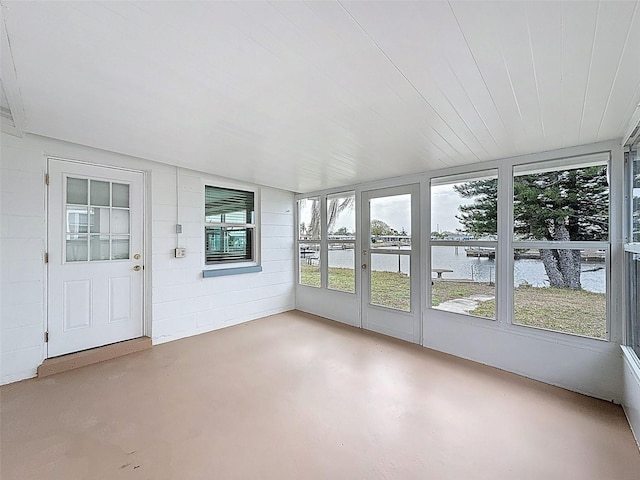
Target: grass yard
570	311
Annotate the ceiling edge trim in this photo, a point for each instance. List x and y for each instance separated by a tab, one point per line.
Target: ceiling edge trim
10	80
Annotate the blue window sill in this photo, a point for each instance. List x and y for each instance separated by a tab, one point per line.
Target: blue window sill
230	271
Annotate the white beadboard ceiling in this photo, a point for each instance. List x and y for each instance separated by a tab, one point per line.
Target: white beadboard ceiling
311	95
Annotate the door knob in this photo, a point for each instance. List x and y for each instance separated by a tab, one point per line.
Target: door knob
137	268
364	266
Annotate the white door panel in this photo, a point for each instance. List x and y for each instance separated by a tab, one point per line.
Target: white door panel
95	277
390	263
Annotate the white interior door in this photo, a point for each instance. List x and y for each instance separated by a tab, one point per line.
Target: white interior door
390	262
95	277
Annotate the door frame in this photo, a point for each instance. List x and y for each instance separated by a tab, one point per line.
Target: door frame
146	241
416	265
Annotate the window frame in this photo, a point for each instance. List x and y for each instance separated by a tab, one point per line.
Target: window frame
324	241
630	249
451	180
558	164
230	265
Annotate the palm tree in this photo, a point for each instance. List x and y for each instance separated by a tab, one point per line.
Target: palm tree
335	206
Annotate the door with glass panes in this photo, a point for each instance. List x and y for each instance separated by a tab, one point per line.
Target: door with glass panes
95	248
389	263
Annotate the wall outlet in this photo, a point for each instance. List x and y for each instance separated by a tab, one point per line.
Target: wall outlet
180	252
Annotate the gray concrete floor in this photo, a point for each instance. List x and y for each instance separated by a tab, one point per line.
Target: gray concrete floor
297	397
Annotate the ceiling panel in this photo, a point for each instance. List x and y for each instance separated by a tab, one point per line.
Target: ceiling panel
312	95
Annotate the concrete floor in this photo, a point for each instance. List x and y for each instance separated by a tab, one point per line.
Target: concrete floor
296	397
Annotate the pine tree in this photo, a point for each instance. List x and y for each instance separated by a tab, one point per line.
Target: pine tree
563	205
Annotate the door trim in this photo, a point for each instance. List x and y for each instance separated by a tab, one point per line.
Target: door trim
146	241
416	267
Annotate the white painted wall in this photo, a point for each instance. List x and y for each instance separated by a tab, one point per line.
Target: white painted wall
631	390
592	370
583	365
181	302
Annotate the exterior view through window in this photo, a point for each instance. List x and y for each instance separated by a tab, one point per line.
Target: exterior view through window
229	229
390	231
340	227
341	233
309	241
632	250
563	286
463	244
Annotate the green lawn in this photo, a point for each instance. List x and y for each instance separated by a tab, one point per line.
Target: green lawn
571	311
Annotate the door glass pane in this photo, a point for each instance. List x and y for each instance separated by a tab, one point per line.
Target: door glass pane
120	219
309	218
77	191
463	280
100	193
341	258
98	220
76	248
77	219
99	247
120	247
310	264
561	289
390	221
120	196
390	281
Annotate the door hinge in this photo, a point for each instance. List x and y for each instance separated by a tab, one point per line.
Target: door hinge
46	337
46	257
46	179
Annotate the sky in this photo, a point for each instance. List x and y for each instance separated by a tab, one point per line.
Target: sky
395	211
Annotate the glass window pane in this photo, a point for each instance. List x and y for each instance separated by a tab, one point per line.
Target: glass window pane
567	204
633	279
77	191
390	221
120	221
464	280
98	220
562	290
465	210
390	281
309	218
99	247
635	208
77	219
77	248
120	195
225	205
310	264
341	258
341	216
120	247
100	193
228	244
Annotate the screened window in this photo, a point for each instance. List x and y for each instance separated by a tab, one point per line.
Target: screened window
464	228
341	243
632	250
229	225
309	241
635	194
327	239
562	286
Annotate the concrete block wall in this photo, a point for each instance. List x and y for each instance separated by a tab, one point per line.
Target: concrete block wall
180	301
184	303
22	269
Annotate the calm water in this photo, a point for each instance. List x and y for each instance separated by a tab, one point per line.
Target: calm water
593	275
